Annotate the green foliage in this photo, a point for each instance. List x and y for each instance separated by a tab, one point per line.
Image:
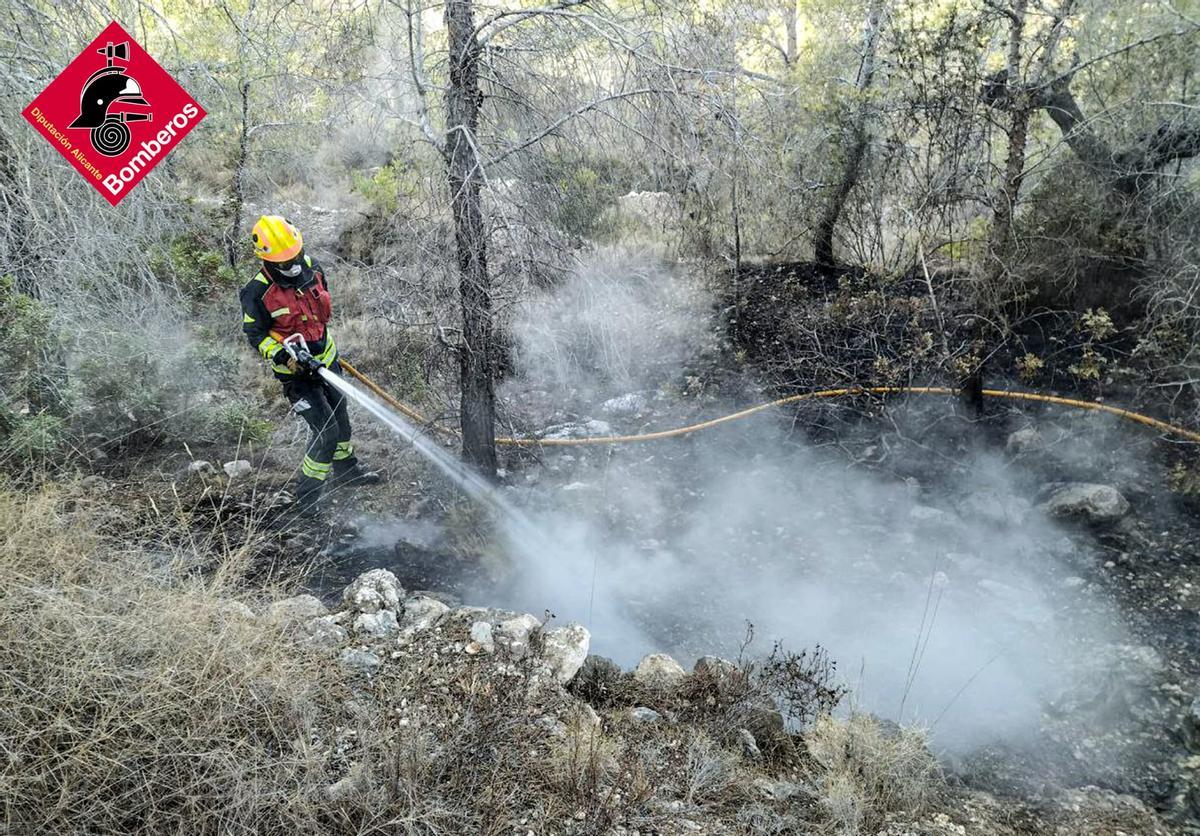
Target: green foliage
388	186
585	191
200	272
31	398
238	421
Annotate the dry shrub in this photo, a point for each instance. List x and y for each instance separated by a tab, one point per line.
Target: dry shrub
134	703
864	769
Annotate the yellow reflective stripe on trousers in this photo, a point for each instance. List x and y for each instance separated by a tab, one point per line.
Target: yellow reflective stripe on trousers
344	451
315	469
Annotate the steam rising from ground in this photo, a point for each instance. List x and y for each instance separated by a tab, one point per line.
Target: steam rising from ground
940	602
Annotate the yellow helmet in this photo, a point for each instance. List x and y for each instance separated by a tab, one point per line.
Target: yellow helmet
275	239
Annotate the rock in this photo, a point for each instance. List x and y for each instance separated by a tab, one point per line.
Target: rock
564	650
769	729
326	633
724	675
658	670
94	484
776	790
377	589
512	634
380	624
237	469
359	659
295	609
1093	503
1027	440
749	746
644	715
198	469
597	679
655	210
630	404
421	612
481	638
236	609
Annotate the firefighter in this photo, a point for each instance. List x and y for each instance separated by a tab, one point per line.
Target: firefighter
290	295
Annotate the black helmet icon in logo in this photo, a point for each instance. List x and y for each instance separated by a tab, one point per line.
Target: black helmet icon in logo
108	86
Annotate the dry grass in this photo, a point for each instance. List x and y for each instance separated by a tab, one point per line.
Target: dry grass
135	703
864	769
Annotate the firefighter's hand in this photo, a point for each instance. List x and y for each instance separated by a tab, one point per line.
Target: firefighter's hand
292	365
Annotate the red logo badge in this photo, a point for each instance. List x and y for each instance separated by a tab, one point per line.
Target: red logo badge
114	113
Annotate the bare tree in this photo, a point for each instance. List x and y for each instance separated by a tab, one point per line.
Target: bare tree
857	137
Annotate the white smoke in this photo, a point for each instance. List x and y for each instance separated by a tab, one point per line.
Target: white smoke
939	603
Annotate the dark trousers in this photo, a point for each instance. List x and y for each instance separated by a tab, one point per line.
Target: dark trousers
329	448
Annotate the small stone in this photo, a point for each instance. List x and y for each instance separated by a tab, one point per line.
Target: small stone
295	609
644	715
198	469
377	589
237	469
94	484
630	404
1026	440
381	624
481	636
564	649
236	609
361	660
658	670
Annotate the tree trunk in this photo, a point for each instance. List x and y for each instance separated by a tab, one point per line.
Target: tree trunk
477	407
857	136
237	197
1004	201
790	24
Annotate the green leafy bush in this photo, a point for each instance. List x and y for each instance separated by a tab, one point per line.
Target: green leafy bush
200	272
33	399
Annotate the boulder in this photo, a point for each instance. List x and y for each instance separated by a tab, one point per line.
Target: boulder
375	590
1090	502
237	469
421	612
564	649
658	670
512	634
296	609
380	624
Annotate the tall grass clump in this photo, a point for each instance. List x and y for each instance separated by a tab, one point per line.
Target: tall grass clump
132	701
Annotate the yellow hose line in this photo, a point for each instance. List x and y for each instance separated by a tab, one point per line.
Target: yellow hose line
805	396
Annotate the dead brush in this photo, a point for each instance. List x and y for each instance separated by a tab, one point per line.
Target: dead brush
864	769
136	703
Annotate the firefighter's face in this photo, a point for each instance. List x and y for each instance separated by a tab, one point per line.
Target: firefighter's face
291	268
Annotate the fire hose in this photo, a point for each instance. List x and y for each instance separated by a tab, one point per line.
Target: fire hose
658	435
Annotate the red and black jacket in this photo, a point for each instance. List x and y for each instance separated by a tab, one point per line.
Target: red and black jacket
273	311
